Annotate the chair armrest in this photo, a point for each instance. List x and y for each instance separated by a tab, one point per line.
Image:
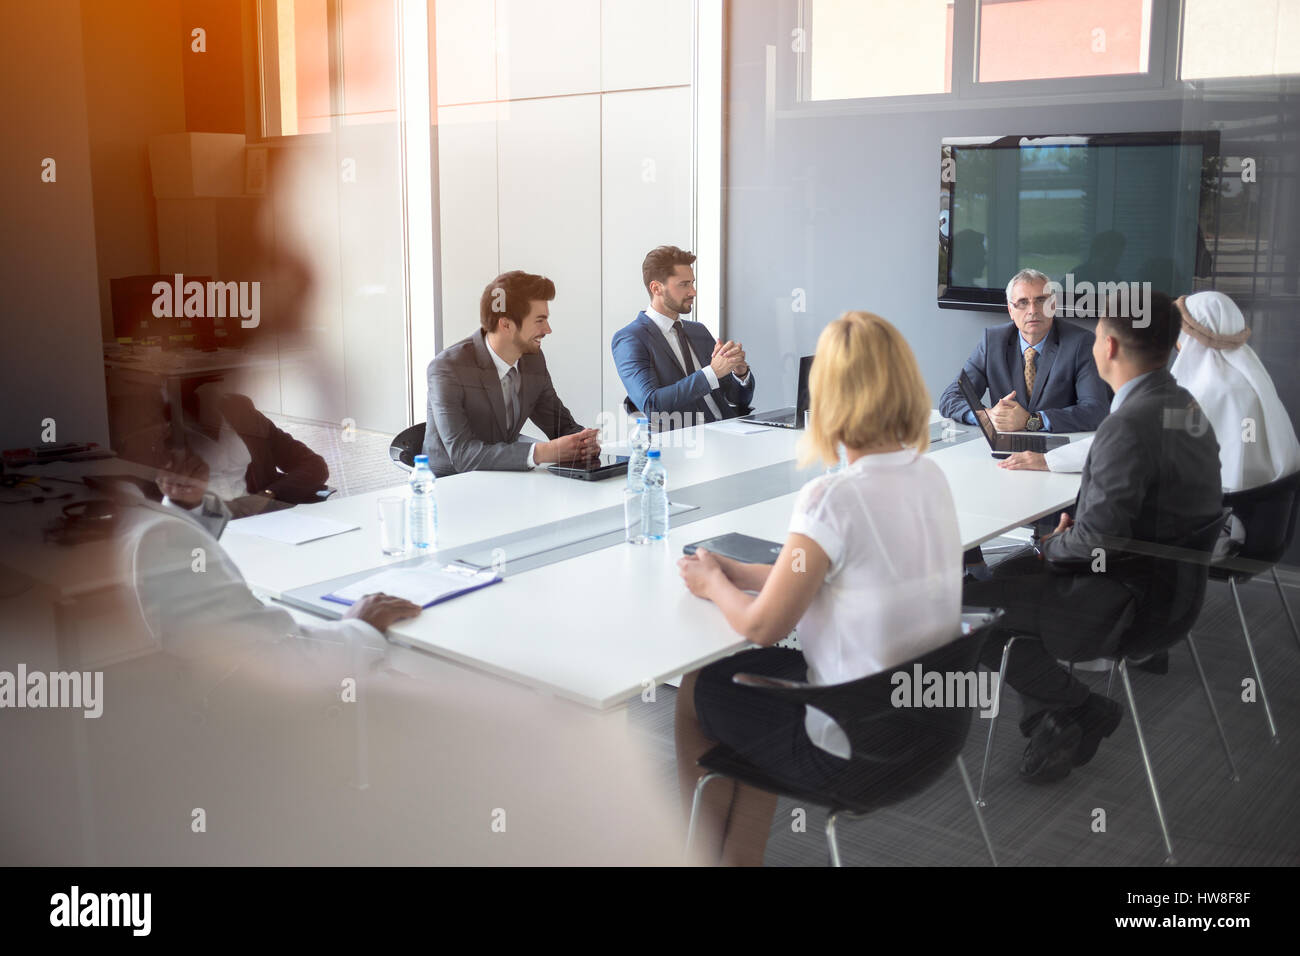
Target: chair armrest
973	618
775	683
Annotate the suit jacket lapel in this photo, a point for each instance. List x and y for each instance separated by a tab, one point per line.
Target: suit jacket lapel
654	340
491	382
692	330
1016	360
531	383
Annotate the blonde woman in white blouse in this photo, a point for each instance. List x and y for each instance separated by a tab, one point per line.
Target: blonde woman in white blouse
870	572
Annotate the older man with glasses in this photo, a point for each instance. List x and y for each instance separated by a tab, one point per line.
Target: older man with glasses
1039	373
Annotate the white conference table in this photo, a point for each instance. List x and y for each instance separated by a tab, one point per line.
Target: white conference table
600	627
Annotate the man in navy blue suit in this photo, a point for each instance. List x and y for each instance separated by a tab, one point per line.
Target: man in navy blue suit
1040	374
674	371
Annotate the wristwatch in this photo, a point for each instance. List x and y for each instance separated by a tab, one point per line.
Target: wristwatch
1035	423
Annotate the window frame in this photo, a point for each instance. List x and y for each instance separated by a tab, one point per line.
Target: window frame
337	96
1160	79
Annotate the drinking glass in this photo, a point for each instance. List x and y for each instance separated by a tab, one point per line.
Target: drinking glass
392	526
632	515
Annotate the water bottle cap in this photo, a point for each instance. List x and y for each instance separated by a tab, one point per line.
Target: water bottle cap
421	459
653	453
643	420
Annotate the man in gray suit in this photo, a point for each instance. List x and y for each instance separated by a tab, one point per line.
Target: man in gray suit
1151	478
1038	372
483	389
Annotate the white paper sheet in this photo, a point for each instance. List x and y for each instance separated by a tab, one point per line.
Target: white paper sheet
290	526
734	426
422	585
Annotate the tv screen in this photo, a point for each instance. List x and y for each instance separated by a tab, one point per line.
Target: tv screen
1116	207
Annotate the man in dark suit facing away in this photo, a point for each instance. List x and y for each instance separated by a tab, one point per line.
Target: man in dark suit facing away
673	370
1039	373
483	388
1151	478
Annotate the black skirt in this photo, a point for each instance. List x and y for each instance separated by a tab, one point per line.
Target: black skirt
765	730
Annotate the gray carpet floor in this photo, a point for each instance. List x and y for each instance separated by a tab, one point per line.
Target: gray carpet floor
1212	821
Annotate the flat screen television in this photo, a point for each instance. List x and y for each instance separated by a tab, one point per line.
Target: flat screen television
1109	207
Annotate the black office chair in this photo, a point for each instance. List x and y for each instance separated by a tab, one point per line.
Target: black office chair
1269	516
1180	573
406	445
897	752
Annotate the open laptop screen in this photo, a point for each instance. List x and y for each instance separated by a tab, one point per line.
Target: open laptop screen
976	404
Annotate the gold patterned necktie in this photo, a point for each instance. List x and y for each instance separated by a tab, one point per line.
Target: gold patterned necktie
1031	370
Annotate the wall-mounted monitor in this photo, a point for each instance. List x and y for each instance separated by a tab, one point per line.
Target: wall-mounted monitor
1112	207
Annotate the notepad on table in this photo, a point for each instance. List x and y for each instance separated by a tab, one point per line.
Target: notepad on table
426	585
289	526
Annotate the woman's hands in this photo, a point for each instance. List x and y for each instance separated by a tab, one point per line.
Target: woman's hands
702	573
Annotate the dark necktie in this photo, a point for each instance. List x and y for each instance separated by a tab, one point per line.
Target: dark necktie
512	398
688	359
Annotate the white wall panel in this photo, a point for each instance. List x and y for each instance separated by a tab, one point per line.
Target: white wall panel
305	197
550	224
467	198
645	43
647	202
370	278
547	47
466	51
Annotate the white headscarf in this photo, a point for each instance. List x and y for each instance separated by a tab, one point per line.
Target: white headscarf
1234	390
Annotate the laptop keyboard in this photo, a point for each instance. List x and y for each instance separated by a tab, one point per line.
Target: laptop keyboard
1027	443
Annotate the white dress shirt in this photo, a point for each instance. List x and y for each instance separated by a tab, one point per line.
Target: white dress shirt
502	371
665	325
893	592
211	615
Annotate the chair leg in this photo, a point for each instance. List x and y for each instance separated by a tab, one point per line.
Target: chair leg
993	721
979	817
832	844
1214	711
1286	605
695	808
1254	662
1111	679
1146	762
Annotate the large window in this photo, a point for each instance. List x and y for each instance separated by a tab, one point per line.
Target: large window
1240	38
326	63
941	49
883	48
1054	39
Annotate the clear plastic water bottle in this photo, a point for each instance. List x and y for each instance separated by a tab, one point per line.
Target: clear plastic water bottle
640	440
654	501
422	514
